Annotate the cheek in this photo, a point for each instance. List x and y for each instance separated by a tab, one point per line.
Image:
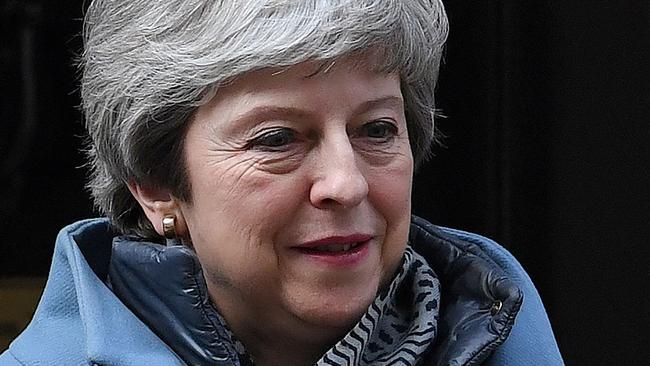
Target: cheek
390	195
236	214
230	212
390	183
237	233
390	190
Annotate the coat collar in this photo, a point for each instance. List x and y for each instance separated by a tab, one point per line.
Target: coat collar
479	302
78	319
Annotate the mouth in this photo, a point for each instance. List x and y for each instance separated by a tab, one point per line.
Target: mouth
338	251
332	249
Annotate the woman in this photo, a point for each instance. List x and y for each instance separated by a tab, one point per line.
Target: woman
271	146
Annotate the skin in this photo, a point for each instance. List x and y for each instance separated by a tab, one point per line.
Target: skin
283	157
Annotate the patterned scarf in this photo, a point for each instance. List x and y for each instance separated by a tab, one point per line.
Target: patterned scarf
399	326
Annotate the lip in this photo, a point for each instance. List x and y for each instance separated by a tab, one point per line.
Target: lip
349	258
339	239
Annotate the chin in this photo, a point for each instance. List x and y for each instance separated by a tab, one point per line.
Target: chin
334	308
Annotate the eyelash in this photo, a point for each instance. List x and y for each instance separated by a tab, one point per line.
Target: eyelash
278	138
265	141
389	128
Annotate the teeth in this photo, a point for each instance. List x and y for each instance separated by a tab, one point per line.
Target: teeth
335	247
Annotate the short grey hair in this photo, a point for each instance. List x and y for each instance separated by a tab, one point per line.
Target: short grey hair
148	65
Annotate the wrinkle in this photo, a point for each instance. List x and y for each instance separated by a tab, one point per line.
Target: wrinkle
381	155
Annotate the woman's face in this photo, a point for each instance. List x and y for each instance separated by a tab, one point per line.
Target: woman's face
301	193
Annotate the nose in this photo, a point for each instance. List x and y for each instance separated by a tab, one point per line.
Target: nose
338	180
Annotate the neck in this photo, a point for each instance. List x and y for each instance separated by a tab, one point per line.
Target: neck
284	343
268	352
275	338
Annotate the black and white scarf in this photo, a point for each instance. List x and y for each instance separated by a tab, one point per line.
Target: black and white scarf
400	324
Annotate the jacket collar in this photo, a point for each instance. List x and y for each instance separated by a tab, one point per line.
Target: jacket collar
165	287
479	302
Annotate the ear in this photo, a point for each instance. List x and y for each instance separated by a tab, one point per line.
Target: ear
158	203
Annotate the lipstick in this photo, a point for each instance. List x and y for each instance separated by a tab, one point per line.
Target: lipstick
340	250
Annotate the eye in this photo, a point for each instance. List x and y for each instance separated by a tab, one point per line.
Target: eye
273	139
380	129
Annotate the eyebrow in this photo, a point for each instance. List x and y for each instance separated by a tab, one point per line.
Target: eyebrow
273	112
392	101
246	119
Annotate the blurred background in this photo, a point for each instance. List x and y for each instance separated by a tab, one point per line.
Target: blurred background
546	151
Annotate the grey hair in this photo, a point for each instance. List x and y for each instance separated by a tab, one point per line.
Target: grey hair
147	65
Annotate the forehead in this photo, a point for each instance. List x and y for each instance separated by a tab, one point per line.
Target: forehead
358	74
309	91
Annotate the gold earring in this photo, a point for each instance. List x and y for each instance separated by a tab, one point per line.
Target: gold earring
169	226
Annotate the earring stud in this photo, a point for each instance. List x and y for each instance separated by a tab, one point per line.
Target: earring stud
169	226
